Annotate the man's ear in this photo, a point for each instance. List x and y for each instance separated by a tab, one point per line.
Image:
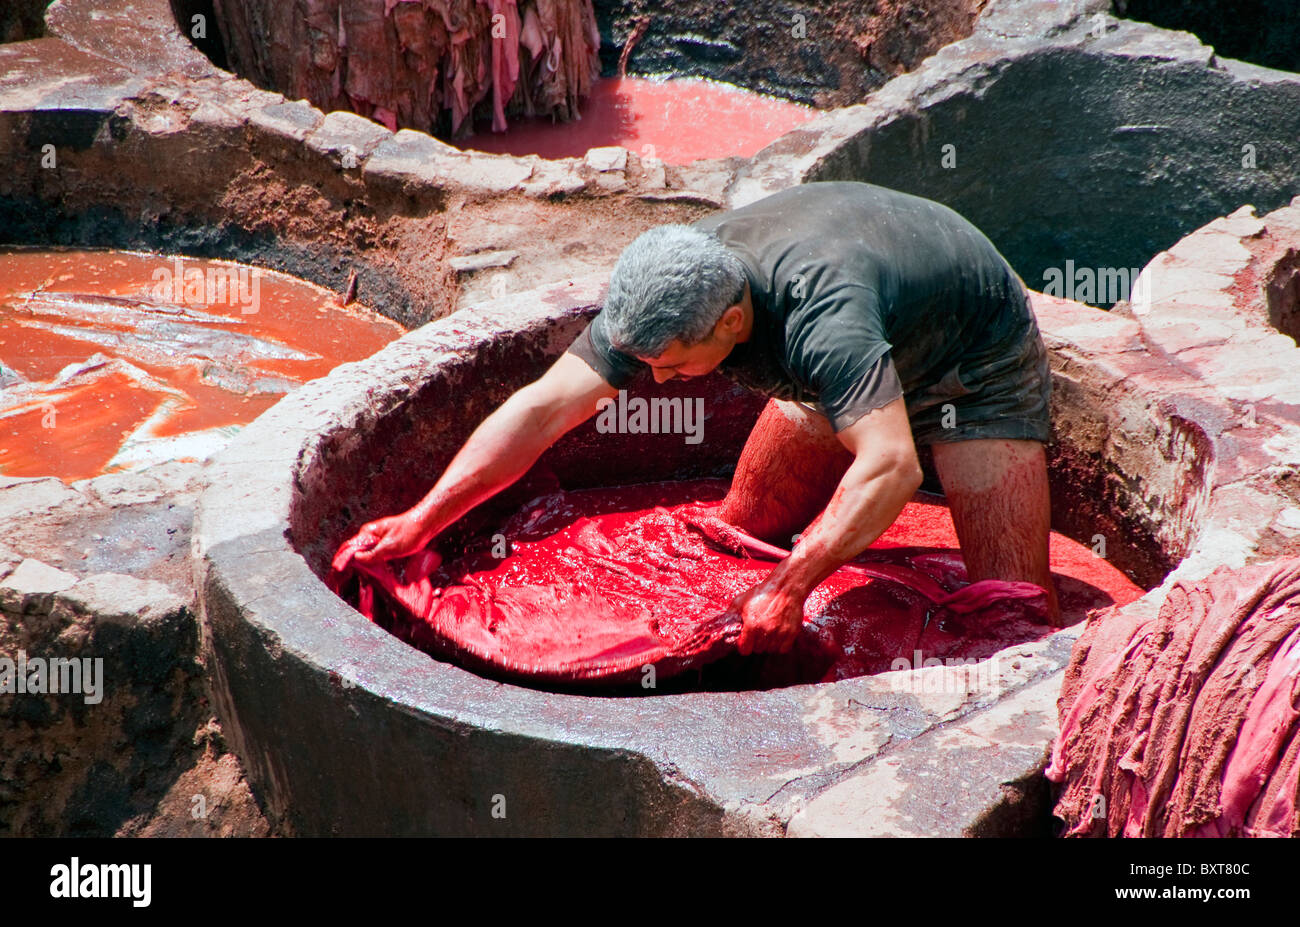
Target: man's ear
733	317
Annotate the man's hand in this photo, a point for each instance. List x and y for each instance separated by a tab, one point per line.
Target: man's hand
883	476
772	617
391	538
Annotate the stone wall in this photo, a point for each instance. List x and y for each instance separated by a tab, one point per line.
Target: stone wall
120	741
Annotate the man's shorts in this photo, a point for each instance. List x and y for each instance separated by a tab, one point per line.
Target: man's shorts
1001	388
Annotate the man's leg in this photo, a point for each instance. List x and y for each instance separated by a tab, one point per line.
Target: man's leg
786	474
997	491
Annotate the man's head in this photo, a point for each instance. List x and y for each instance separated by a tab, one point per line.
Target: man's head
675	301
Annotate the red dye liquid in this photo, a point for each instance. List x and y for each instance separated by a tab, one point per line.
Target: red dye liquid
677	121
110	360
598	584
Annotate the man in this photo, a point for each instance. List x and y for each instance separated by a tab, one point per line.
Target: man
877	321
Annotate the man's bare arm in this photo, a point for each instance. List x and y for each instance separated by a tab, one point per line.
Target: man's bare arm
500	450
882	478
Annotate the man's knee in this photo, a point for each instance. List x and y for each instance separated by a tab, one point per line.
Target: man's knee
786	474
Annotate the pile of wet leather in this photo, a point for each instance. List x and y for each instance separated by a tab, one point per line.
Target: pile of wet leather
429	65
1187	724
598	587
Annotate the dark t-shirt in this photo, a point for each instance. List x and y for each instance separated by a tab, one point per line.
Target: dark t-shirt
861	295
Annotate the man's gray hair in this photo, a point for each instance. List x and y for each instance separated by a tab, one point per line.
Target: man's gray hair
672	282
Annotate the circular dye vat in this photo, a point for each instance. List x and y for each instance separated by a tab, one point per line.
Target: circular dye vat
596	586
677	121
114	360
283	646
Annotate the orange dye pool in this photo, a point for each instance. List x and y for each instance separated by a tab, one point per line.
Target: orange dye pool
112	360
676	120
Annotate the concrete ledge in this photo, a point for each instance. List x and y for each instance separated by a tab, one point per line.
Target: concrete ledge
96	731
942	784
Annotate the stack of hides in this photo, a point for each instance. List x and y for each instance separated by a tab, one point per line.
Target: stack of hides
419	64
1187	724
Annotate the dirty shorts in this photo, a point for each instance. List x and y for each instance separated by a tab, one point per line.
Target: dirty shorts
1001	388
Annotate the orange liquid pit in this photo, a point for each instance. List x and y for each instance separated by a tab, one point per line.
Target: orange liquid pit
180	353
677	121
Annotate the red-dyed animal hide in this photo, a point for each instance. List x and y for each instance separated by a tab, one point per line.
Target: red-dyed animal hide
407	62
603	583
1188	724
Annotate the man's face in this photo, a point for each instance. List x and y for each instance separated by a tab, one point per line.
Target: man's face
684	361
695	360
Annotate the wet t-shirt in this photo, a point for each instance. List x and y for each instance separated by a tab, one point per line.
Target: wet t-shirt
861	295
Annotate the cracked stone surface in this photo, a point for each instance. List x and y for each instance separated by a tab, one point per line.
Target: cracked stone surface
966	761
1205	303
100	569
